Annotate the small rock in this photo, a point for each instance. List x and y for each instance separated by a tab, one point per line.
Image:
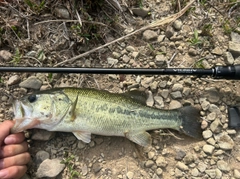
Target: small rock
211	116
50	168
235	37
154	86
135	54
142	12
163	84
205	105
164	93
176	95
5	55
159	101
31	82
161	162
208	149
150	100
178	173
212	95
160	60
159	171
202	167
177	87
236	174
161	38
214	108
192	52
189	158
149	163
228	58
116	55
215	126
112	61
211	173
177	24
130	48
234	48
84	169
175	104
130	175
182	166
186	91
147	81
195	172
169	32
43	135
211	141
217	51
224	141
149	35
204	124
14	80
180	154
81	144
125	58
4	98
96	167
41	156
62	12
151	154
207	134
223	166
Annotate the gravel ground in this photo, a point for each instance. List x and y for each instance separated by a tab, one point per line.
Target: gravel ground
33	33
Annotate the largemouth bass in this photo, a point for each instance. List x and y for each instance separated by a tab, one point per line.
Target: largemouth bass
88	111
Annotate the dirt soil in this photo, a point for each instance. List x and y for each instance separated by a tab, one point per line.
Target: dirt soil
147	34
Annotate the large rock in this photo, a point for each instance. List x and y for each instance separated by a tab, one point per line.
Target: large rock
234	48
50	168
32	82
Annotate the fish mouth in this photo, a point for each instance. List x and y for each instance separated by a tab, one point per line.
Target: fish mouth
22	117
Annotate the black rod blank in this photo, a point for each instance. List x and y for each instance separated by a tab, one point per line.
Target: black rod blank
223	72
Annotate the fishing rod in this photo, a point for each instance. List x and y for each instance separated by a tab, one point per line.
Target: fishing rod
218	72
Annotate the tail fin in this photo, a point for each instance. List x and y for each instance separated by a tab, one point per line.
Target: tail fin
191	125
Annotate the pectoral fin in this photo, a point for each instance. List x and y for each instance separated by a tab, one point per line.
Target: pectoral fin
142	138
84	136
73	109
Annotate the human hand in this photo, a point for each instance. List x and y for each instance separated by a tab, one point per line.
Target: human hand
13	152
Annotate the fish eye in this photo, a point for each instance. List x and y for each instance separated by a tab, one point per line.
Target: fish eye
32	98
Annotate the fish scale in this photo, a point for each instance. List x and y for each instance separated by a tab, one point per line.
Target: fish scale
89	111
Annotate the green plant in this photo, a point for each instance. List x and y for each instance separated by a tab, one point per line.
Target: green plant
35	7
199	64
227	27
207	30
195	41
69	161
17	57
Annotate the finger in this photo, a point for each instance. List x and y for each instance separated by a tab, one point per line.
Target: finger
14	138
14	149
5	130
20	159
15	172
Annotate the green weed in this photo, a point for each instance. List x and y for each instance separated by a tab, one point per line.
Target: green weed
17	57
69	161
199	64
37	8
207	30
195	41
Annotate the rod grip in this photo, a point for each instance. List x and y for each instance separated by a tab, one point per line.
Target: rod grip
227	72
